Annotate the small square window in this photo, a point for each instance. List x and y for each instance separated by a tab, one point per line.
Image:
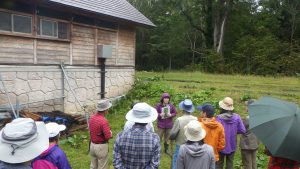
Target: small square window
5	21
22	24
48	28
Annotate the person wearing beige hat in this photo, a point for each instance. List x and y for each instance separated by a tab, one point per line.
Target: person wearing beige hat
233	125
100	133
195	154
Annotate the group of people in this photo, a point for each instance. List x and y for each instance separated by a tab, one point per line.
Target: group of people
203	142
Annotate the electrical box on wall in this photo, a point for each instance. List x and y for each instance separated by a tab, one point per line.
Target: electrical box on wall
104	51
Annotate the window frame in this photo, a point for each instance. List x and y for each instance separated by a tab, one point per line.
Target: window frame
57	21
12	25
41	28
12	14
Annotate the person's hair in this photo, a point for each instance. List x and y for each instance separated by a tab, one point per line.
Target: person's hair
201	142
101	111
54	139
186	112
209	115
141	124
225	111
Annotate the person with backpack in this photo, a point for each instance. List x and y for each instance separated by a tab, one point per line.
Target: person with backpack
53	157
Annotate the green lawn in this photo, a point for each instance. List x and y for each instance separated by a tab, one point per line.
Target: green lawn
187	83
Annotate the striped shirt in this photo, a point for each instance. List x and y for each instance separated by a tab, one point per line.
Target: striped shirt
99	129
136	148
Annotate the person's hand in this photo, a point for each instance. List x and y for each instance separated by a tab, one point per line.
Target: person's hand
169	114
162	115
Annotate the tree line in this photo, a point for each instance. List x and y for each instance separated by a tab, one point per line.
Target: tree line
220	36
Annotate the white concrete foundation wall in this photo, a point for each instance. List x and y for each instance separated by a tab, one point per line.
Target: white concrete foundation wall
41	88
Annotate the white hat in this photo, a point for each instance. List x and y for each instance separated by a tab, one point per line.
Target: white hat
103	105
226	103
22	140
142	113
193	131
54	129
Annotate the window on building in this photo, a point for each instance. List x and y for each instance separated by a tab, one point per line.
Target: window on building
22	24
55	29
15	23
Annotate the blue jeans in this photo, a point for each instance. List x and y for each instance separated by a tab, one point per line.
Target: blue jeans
175	155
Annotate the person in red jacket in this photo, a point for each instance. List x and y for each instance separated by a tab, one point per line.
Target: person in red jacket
100	133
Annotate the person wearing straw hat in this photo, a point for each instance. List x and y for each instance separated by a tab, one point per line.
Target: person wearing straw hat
177	132
233	125
100	133
195	154
53	157
138	148
215	135
21	141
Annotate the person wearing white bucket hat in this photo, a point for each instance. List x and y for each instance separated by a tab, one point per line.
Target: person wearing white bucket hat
138	147
195	153
53	156
233	125
20	142
177	132
100	133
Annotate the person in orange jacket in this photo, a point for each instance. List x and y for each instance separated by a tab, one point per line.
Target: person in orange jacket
215	136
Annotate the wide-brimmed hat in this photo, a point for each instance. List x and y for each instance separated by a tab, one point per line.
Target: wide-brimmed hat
207	108
54	129
187	105
142	113
22	140
193	131
103	105
226	103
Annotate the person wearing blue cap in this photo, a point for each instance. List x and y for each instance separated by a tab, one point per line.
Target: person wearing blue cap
177	132
215	136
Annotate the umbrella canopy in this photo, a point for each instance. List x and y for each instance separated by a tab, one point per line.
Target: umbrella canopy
277	124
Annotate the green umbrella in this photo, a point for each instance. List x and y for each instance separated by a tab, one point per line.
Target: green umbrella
277	124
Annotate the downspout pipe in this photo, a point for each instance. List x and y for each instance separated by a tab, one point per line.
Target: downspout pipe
102	77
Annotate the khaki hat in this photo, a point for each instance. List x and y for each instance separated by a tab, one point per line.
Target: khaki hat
103	105
194	131
226	103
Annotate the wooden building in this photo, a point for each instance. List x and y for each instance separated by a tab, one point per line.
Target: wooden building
36	36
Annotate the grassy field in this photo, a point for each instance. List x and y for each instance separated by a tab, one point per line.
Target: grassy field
202	87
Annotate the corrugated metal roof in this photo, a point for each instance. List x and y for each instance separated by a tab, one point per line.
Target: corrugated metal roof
116	8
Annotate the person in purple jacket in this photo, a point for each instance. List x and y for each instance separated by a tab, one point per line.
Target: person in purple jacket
166	112
233	125
53	154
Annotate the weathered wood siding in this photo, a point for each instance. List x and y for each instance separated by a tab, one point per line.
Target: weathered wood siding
16	49
109	38
83	45
126	46
52	52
